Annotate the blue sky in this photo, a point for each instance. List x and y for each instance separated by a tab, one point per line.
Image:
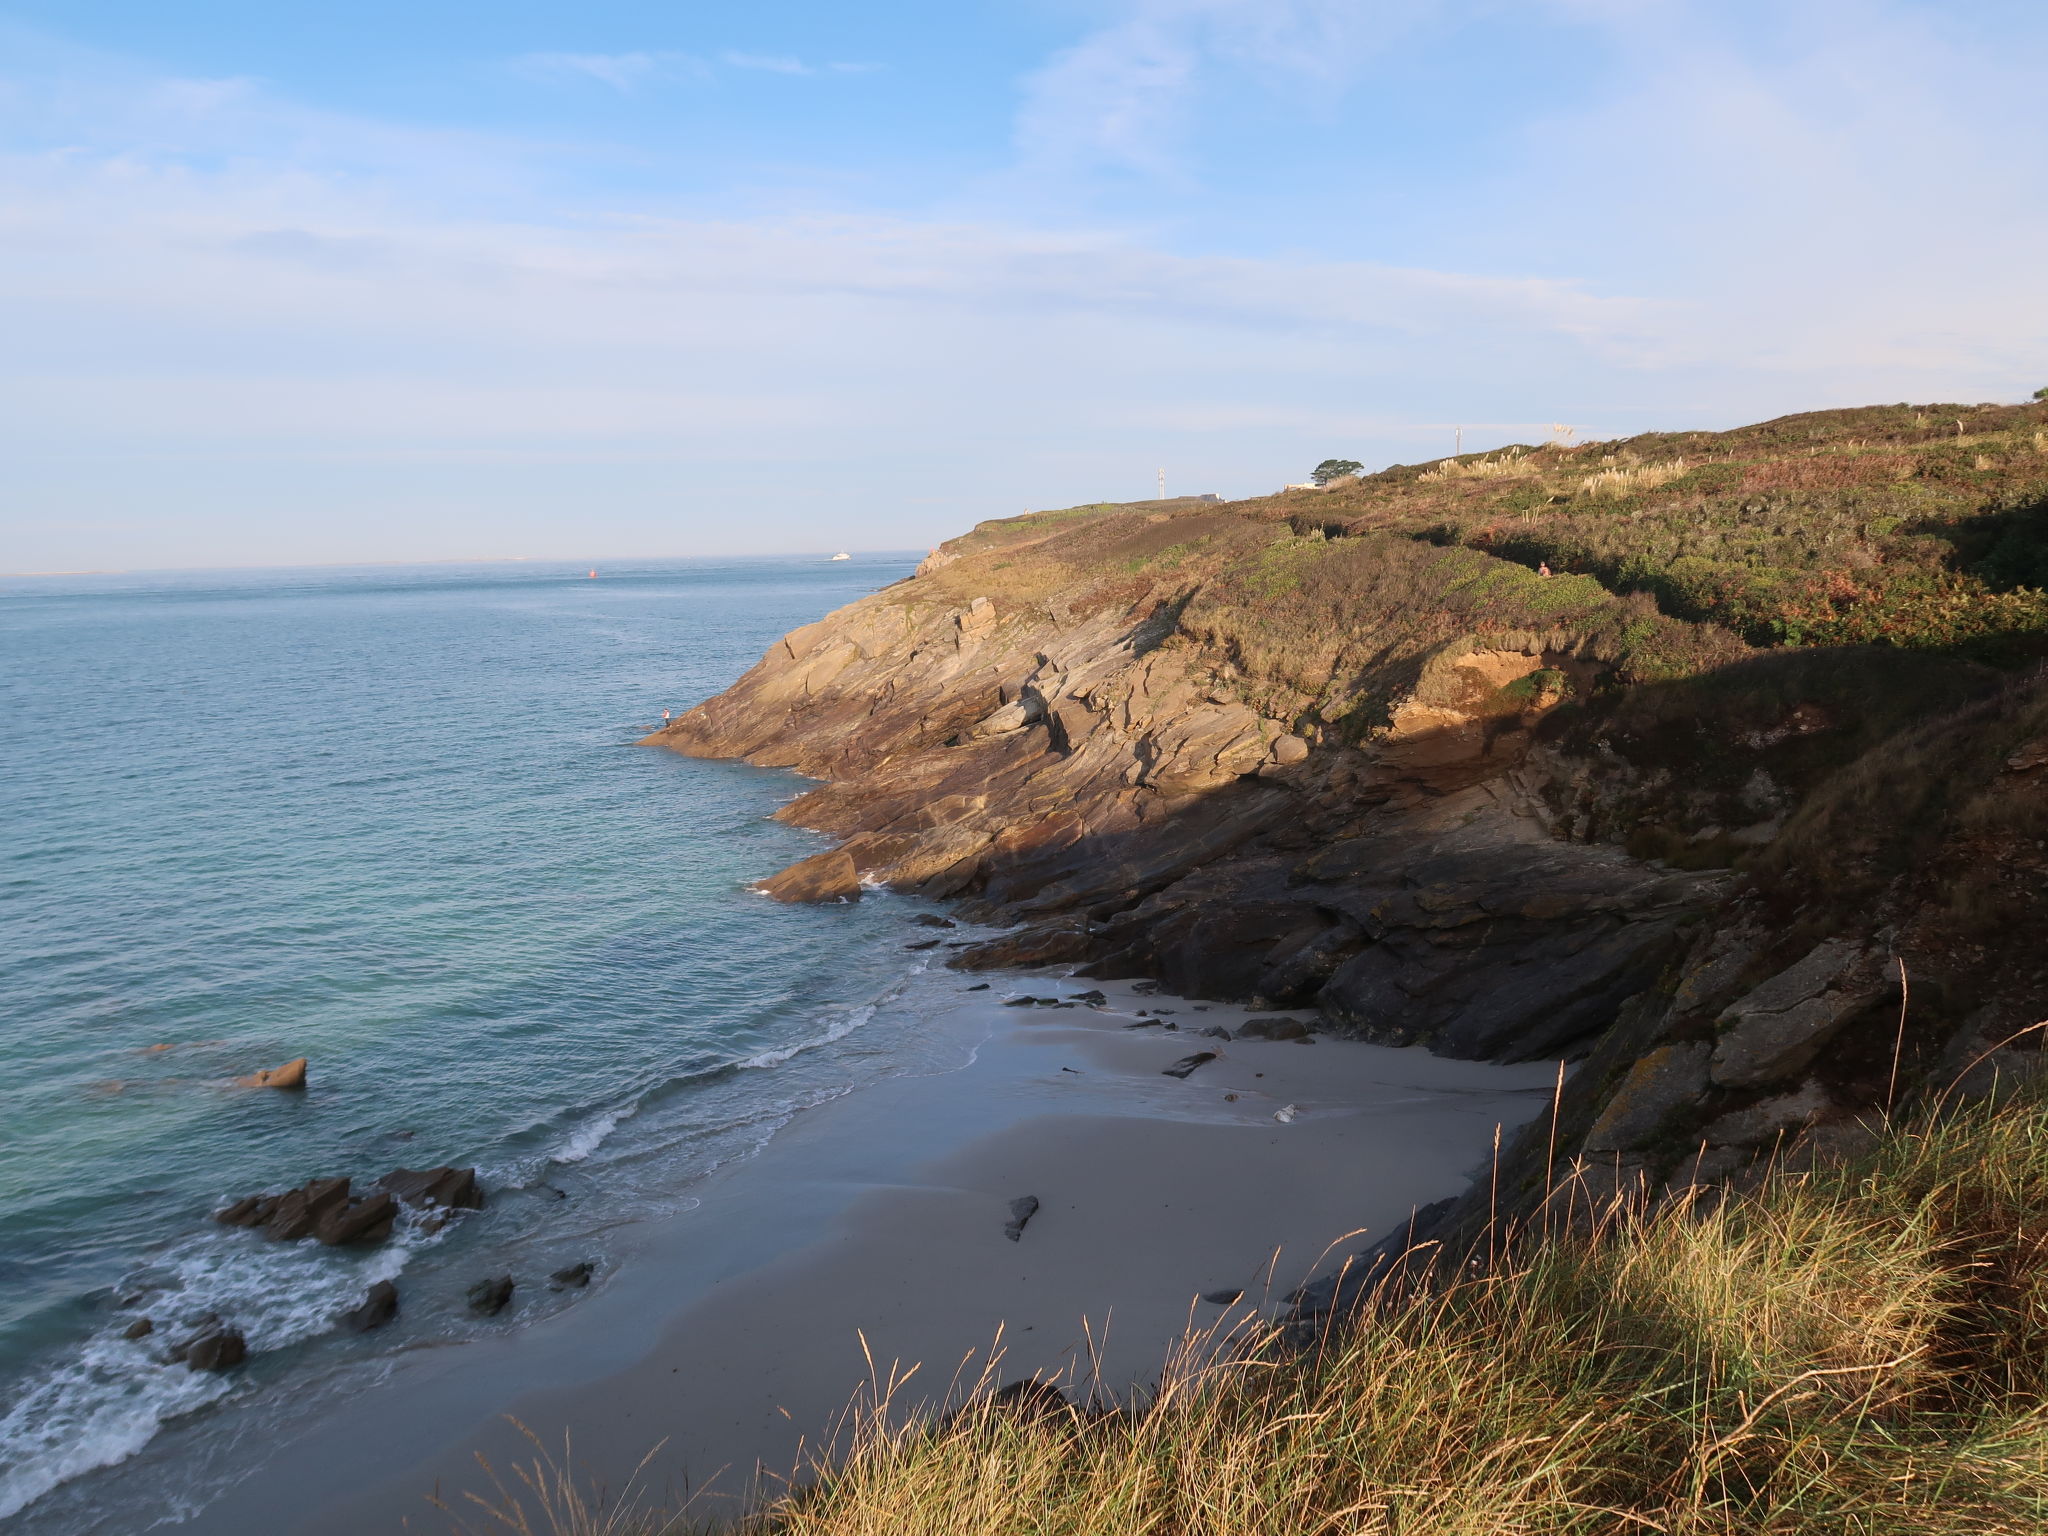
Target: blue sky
453	280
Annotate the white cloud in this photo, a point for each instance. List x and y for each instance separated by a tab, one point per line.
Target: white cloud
627	73
218	302
623	72
1119	97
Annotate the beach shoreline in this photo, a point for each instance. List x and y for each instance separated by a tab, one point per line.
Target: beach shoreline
868	1236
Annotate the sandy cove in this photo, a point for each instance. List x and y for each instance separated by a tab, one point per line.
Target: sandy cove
733	1333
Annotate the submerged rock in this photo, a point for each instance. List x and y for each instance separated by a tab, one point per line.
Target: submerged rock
573	1278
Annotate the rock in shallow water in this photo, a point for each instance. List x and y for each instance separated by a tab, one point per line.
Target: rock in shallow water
291	1075
487	1298
1188	1064
215	1347
573	1278
379	1306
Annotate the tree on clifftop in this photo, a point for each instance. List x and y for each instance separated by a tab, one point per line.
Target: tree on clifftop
2041	394
1334	469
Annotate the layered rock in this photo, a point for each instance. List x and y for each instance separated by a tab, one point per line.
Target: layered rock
1432	795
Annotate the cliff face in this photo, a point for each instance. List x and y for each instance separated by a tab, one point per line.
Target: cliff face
1266	752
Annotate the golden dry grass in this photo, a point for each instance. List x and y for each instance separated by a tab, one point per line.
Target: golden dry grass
1857	1352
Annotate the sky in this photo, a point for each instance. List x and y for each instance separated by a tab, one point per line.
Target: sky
469	279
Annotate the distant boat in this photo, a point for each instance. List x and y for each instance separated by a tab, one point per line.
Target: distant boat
842	555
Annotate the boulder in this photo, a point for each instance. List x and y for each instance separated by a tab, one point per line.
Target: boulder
1188	1064
366	1220
444	1187
291	1075
933	920
249	1211
1224	1298
1776	1029
215	1347
1660	1085
300	1210
141	1328
487	1298
574	1278
1768	1119
379	1306
827	876
1271	1026
1022	1209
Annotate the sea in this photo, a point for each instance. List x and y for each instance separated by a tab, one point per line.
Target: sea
392	819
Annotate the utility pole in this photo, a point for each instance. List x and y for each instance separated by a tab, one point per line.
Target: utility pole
1162	482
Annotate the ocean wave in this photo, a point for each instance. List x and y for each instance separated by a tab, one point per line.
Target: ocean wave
108	1400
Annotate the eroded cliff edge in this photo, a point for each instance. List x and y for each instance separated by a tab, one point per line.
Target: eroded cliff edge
1266	752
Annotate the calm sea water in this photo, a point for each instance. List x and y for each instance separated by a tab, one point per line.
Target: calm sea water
389	819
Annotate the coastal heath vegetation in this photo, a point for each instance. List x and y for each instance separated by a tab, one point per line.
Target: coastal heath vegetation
1857	1349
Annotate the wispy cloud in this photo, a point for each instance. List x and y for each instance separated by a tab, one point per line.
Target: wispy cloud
627	73
1120	96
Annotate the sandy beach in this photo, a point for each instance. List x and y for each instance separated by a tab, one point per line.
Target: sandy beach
732	1335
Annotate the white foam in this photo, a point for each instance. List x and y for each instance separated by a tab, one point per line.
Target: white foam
593	1133
108	1400
851	1020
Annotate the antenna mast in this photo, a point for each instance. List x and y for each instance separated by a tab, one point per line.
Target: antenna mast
1162	482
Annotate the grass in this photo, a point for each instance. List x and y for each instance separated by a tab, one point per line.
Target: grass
1855	1350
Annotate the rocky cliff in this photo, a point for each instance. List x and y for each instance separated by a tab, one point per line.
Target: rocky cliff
1360	750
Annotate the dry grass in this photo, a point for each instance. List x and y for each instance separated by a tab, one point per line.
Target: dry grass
1615	483
1857	1351
1510	464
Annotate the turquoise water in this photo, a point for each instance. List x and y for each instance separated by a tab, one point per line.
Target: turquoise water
389	819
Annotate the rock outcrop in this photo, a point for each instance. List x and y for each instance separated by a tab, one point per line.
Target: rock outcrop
291	1075
325	1209
1257	756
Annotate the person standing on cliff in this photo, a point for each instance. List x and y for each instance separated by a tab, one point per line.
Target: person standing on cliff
664	717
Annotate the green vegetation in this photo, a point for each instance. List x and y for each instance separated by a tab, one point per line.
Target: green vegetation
1916	526
1855	1351
1334	469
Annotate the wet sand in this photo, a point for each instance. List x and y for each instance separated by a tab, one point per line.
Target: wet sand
732	1335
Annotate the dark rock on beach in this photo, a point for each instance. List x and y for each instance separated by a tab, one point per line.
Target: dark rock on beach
1022	1210
1271	1026
573	1278
1223	1298
1188	1064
